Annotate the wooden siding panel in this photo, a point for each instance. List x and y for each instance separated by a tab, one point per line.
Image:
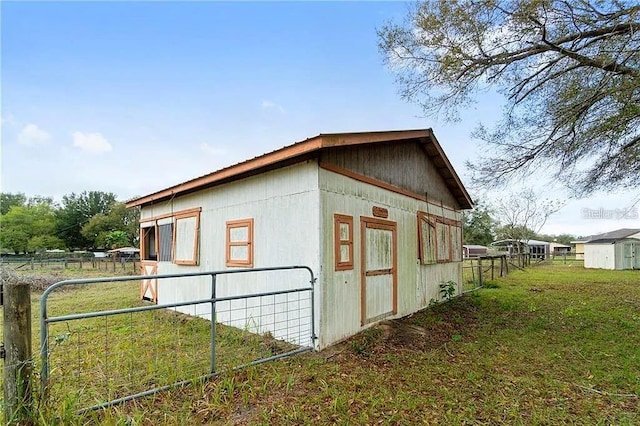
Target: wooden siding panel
404	165
340	290
284	204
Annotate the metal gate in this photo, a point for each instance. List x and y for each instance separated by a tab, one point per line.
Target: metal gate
94	358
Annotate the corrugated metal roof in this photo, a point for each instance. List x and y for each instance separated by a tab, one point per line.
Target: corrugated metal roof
307	149
615	235
610	240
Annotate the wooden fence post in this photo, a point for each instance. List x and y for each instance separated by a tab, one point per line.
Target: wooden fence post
480	280
492	263
18	362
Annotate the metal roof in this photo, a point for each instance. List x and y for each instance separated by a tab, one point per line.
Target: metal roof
610	240
618	234
309	148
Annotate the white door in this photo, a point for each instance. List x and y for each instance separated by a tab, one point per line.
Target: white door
628	256
379	269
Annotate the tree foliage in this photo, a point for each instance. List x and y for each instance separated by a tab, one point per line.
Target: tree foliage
29	228
478	225
569	71
117	228
90	219
523	214
8	200
77	210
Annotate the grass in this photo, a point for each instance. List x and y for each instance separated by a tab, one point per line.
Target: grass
555	344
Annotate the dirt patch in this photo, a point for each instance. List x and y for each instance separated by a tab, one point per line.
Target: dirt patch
425	330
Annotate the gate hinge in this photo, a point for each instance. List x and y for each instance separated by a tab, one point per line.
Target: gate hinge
3	353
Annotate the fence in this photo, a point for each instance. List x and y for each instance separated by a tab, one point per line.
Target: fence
109	352
476	271
101	264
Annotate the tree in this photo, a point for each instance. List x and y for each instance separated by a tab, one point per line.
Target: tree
117	239
117	228
523	214
76	211
28	228
8	200
569	71
478	225
561	239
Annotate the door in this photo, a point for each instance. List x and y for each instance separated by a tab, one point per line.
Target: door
379	281
628	256
149	287
636	251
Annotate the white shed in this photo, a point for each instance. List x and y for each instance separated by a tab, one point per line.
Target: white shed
375	215
620	251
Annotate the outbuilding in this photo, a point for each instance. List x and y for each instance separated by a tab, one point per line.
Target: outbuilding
618	249
473	250
375	215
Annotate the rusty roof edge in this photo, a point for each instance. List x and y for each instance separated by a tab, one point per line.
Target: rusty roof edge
299	149
451	170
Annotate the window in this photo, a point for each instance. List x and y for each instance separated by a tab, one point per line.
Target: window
439	239
343	241
240	243
426	239
456	243
187	227
444	241
148	247
172	237
165	232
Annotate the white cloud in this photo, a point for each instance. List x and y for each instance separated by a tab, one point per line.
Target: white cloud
93	143
8	120
32	135
272	105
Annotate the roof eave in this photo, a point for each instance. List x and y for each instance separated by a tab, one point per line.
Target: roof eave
303	150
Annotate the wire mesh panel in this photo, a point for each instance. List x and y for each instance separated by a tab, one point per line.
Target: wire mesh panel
116	347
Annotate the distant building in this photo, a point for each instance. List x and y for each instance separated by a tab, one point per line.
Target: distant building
619	249
537	249
558	249
473	250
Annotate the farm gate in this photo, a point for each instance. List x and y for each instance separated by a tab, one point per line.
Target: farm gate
114	347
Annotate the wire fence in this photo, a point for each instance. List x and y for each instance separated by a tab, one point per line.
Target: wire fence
480	270
113	264
117	347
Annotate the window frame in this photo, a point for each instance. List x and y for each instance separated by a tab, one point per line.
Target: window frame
186	214
439	256
171	218
338	242
429	220
234	224
144	247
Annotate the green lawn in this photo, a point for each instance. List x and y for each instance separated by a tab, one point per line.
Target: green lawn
555	344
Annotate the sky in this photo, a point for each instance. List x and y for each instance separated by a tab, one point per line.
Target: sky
132	97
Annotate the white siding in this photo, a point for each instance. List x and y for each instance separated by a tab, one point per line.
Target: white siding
600	256
284	204
417	284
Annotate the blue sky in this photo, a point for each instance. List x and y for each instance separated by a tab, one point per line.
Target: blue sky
133	97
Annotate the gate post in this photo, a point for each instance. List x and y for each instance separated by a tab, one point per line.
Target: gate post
213	324
18	360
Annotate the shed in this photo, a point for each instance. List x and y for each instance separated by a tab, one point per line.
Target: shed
558	249
473	250
618	249
376	216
